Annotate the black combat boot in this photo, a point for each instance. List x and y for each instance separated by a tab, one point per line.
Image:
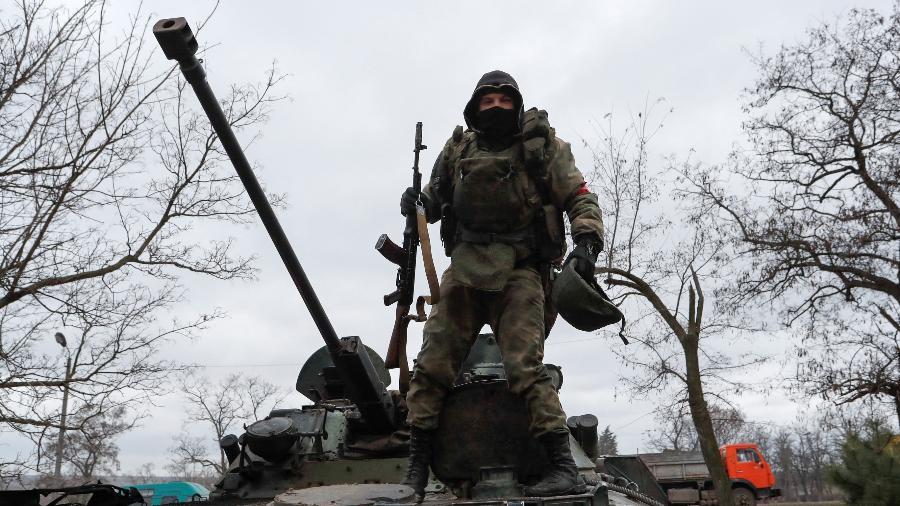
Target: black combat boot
561	476
419	459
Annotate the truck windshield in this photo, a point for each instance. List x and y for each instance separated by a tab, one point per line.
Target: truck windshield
746	455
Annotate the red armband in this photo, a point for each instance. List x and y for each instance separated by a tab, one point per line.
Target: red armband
582	189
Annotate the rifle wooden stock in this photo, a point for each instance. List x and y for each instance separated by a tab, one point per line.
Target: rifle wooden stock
398	338
396	354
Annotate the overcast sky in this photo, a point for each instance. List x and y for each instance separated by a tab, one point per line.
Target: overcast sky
360	74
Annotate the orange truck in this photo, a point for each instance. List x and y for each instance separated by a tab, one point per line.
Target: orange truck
686	480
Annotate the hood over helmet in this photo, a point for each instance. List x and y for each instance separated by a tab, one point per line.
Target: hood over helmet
495	81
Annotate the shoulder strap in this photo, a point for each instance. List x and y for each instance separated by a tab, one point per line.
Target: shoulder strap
458	147
536	154
461	142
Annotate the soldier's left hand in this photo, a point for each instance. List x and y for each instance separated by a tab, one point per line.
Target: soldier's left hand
408	201
584	256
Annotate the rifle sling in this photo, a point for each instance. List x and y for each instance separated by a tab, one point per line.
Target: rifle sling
427	260
403	376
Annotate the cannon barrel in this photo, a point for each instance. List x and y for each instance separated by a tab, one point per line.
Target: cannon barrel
354	366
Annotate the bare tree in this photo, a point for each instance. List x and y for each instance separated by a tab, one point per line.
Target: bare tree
192	460
11	470
104	170
145	473
813	204
664	260
92	449
218	408
675	429
800	455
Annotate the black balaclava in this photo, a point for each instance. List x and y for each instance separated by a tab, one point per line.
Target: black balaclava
498	124
496	127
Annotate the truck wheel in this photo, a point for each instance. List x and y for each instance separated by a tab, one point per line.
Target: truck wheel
743	497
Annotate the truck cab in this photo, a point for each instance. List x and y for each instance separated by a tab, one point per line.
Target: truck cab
746	466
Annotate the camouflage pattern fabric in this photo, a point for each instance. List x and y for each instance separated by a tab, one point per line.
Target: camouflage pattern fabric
492	193
462	161
483	266
516	316
569	193
564	181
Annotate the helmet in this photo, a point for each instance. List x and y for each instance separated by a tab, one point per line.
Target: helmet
582	304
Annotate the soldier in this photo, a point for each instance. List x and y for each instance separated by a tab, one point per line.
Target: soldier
499	189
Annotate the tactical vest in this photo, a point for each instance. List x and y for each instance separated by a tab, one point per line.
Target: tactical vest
502	197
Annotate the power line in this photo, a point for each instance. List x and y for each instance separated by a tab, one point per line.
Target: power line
246	365
635	420
580	340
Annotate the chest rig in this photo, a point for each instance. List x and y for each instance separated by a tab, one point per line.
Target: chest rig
500	196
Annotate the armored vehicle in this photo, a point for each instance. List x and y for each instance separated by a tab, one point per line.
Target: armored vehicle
351	441
483	449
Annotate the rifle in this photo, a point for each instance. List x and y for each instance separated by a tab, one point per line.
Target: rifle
416	230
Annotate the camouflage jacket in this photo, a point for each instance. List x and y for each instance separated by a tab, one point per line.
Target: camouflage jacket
486	266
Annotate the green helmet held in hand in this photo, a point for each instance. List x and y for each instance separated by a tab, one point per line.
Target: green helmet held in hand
581	303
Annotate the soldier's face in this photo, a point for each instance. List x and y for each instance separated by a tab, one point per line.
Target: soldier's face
501	100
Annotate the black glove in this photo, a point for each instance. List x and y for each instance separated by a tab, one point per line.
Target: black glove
408	201
584	256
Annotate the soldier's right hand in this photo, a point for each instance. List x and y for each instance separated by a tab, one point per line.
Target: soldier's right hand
408	201
584	255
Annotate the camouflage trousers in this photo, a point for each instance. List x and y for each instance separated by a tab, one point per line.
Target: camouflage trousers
516	315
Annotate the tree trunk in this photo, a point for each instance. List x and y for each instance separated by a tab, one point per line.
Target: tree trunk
897	403
803	487
703	423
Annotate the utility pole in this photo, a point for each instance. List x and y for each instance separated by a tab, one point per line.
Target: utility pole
62	421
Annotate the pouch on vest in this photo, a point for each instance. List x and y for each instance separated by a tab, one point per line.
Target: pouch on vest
448	228
538	142
550	234
488	195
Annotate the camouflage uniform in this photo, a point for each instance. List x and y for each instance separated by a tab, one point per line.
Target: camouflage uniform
494	275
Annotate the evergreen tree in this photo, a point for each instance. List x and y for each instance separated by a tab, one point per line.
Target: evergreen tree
606	443
870	468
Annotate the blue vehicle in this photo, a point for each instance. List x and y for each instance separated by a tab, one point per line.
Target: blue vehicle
171	492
